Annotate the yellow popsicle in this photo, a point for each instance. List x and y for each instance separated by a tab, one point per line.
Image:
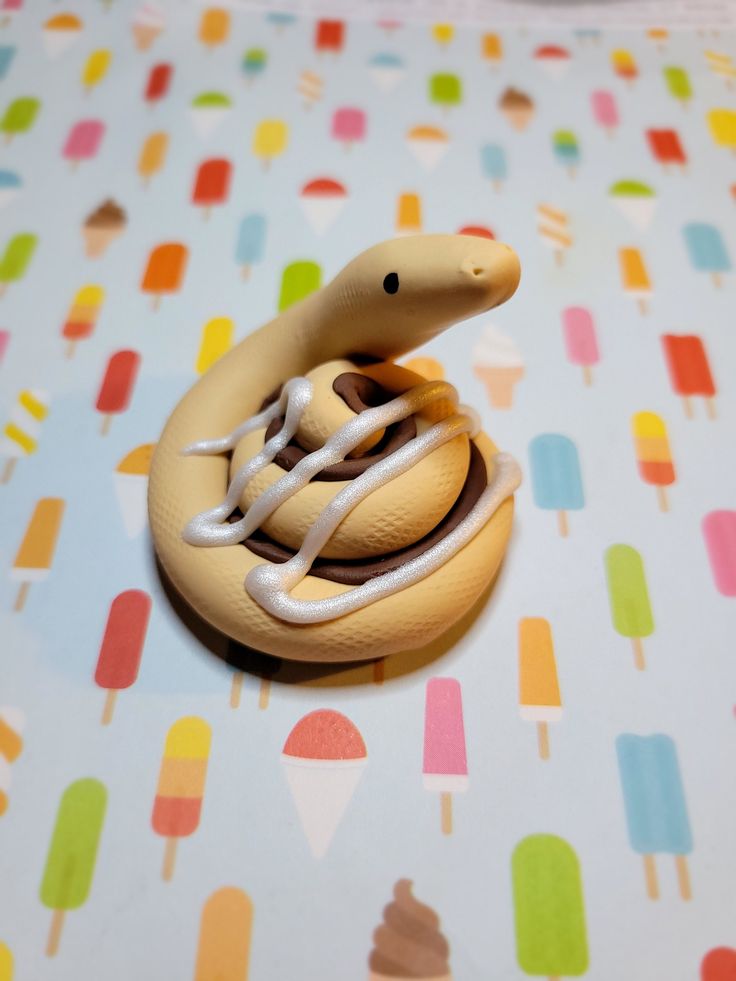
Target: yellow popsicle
96	67
225	932
409	214
270	139
539	690
443	33
153	155
653	453
624	64
214	26
6	963
217	339
722	123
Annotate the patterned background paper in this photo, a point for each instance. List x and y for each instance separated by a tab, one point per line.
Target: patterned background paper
576	816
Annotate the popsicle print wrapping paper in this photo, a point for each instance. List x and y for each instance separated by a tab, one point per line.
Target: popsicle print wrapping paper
520	797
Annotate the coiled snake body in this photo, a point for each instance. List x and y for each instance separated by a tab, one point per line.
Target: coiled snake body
313	500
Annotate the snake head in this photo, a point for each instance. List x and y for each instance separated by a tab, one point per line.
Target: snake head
401	293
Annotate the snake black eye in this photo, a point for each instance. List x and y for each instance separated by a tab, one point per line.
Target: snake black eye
391	283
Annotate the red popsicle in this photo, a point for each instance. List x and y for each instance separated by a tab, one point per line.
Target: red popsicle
165	270
666	148
329	35
479	231
117	385
687	363
212	184
83	141
122	645
159	80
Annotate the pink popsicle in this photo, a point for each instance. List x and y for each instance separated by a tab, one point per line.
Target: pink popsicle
445	768
581	342
4	340
122	645
117	385
719	531
348	125
83	140
605	110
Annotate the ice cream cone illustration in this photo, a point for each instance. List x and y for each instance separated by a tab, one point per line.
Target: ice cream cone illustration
498	365
323	758
517	107
102	227
428	145
131	487
409	942
148	22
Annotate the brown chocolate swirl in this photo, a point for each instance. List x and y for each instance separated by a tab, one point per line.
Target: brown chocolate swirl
108	215
409	943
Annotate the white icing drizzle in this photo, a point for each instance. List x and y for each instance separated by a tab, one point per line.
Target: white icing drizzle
270	584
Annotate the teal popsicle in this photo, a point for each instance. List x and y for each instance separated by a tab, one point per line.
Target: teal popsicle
631	611
70	862
251	241
493	162
298	280
707	250
567	149
14	262
556	481
678	83
254	63
549	911
19	117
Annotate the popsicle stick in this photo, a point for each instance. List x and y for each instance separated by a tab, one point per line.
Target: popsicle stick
559	257
106	423
497	186
245	272
57	924
717	281
446	813
662	499
9	468
266	164
264	696
571	172
587	375
156	302
710	408
109	707
543	740
70	348
642	304
20	599
562	523
688	407
650	877
379	671
639	659
3	286
236	689
683	876
167	872
206	212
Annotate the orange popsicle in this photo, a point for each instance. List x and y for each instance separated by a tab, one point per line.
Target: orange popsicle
165	270
223	952
214	27
153	156
36	553
653	454
539	691
408	214
635	277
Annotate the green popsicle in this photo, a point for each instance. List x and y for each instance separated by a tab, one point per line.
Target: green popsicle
631	611
445	90
71	858
551	937
678	83
15	259
19	117
299	279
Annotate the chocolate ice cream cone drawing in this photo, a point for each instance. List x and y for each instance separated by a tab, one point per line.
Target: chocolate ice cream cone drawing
497	363
517	107
102	227
409	942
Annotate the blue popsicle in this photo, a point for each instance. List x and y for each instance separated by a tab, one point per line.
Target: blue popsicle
10	185
280	19
707	250
251	242
6	56
556	481
493	162
654	799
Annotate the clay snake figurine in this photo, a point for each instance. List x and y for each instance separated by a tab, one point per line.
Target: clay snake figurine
313	500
